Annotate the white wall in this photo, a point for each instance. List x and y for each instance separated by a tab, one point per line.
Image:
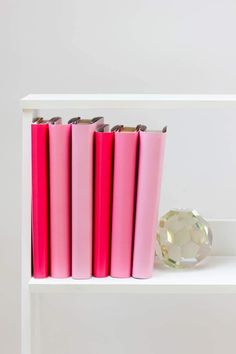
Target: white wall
158	46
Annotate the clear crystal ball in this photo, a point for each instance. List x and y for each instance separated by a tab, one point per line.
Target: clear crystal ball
184	238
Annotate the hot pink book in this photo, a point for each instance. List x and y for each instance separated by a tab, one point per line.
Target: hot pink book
82	195
60	201
102	201
40	198
124	186
151	153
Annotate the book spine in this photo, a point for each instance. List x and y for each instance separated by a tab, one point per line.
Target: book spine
82	199
60	224
124	186
102	202
40	200
151	153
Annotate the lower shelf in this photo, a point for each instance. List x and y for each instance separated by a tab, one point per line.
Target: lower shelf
217	275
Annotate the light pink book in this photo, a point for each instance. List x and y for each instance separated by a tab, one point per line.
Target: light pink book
151	153
124	187
82	195
60	201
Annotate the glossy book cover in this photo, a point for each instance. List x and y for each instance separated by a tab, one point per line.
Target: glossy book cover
103	177
150	165
82	195
124	190
40	198
60	199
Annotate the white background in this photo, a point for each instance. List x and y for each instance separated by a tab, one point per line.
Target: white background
111	46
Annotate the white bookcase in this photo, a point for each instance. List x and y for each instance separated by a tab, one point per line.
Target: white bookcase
218	277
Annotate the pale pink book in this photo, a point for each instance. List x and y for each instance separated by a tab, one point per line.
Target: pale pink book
124	187
151	153
60	201
82	195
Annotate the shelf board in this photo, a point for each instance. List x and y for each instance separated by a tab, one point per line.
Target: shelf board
217	275
117	101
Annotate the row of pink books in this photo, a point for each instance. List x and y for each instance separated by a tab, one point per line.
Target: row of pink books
95	196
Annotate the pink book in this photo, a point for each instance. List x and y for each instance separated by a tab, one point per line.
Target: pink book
60	208
151	153
82	195
102	200
124	186
40	198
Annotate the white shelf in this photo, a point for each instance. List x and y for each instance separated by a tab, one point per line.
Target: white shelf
217	275
117	101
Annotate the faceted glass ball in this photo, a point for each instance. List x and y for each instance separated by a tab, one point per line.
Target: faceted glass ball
183	238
